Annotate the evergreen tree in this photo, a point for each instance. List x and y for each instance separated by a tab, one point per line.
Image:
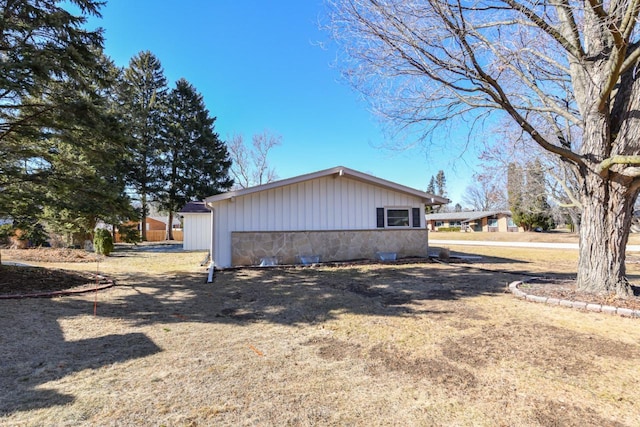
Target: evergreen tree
538	208
59	135
42	43
193	161
143	95
438	186
431	188
515	184
88	185
527	196
441	184
31	70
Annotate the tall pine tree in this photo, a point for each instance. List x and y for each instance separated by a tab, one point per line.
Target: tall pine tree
143	95
431	188
441	184
58	135
438	186
42	45
515	185
194	162
538	206
527	196
88	186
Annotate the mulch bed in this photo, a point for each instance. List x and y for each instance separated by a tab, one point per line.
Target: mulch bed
566	289
51	255
36	281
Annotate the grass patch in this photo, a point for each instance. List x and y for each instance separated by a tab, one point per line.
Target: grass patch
414	344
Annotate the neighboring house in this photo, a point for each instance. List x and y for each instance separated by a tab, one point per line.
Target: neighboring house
336	214
157	228
154	224
473	221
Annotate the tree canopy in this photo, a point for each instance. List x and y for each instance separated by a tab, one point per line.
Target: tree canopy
556	69
193	162
79	136
59	131
527	195
143	96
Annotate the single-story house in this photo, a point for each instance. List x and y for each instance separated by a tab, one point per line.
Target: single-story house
159	223
156	227
473	221
336	214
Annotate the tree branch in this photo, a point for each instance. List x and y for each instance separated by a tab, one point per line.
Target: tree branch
606	164
574	50
496	92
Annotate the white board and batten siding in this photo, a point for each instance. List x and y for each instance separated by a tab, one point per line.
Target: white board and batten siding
325	203
196	231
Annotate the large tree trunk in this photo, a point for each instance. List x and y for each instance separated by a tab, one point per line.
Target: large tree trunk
607	211
169	234
143	219
607	195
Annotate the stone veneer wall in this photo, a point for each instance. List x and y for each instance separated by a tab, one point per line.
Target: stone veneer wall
343	245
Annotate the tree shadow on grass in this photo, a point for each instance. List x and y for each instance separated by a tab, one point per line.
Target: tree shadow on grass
34	351
302	295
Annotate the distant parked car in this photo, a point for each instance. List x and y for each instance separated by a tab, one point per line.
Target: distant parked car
538	230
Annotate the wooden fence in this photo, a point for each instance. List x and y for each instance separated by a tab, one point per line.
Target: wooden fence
158	235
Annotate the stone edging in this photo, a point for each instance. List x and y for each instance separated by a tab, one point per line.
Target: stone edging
598	308
109	283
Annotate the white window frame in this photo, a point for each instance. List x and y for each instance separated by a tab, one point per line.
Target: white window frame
397	208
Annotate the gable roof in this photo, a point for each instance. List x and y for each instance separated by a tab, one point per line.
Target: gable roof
338	171
194	207
162	219
464	216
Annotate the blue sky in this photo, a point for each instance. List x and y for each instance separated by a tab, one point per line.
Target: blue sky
266	65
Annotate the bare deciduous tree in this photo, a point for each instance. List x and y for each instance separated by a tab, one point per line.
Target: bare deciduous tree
555	64
250	165
485	195
510	145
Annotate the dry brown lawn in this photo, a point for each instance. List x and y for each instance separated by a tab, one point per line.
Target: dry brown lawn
548	237
412	344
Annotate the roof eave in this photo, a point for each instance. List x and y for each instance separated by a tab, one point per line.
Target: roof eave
338	171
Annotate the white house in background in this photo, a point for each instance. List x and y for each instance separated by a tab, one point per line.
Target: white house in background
336	214
196	226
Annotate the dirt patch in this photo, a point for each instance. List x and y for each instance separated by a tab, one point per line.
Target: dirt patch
439	371
566	289
333	349
539	345
386	357
561	414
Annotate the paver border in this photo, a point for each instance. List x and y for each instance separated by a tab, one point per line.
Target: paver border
597	308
